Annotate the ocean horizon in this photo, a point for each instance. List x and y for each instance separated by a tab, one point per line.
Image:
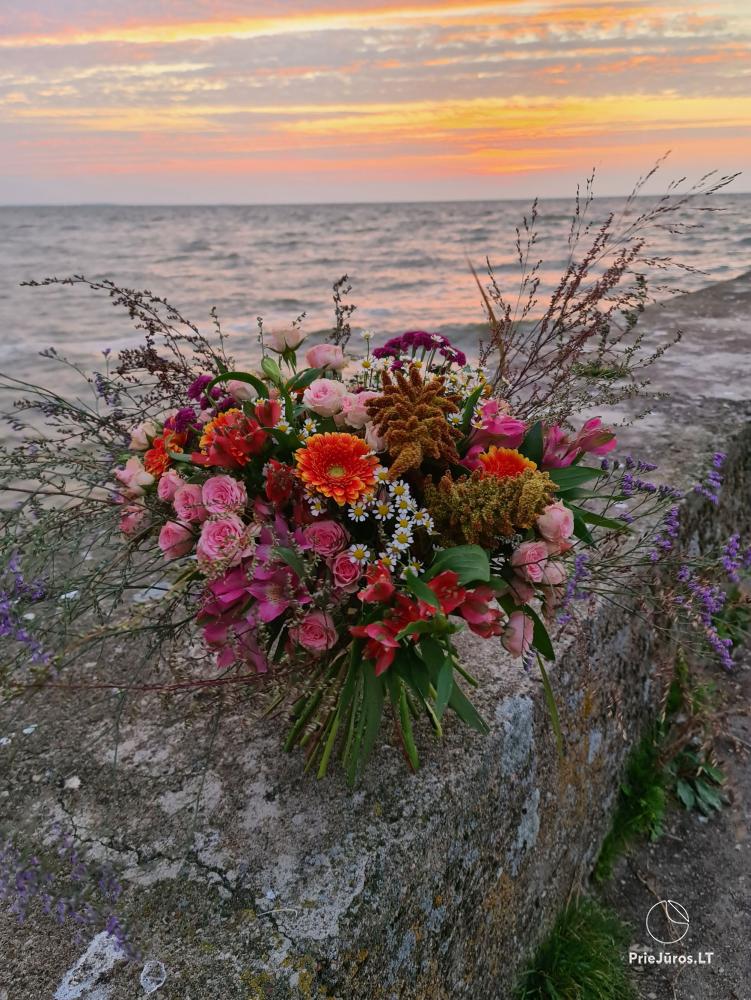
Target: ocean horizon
407	263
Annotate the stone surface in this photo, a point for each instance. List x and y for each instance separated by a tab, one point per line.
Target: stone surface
247	879
703	865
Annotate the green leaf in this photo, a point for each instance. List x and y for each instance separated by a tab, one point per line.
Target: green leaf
469	562
373	697
708	794
532	445
179	456
540	638
714	773
573	476
552	707
246	377
329	745
582	532
685	793
271	370
303	379
469	409
467	711
589	517
291	558
416	628
433	654
398	695
444	687
421	590
289	441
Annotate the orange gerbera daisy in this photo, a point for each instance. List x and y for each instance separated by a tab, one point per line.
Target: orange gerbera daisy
340	466
156	460
504	463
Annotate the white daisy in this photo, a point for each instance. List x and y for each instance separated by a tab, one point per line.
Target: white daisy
404	521
381	474
398	489
420	518
360	553
404	505
388	559
402	539
454	418
283	426
358	512
382	510
317	506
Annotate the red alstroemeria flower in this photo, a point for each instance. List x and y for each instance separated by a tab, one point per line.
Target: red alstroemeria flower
268	412
379	586
280	482
230	441
446	588
481	618
382	644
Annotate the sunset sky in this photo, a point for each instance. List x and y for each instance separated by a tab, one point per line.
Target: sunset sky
203	101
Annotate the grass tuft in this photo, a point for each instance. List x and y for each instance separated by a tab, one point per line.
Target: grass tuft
582	959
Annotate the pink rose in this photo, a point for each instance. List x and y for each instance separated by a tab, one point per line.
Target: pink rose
373	439
188	503
140	436
134	518
556	525
224	539
175	540
326	356
224	495
354	407
326	538
517	635
134	477
169	484
554	574
324	396
284	340
315	632
243	392
346	572
521	591
529	561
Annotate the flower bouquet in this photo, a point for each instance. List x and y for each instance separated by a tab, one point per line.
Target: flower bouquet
330	520
351	516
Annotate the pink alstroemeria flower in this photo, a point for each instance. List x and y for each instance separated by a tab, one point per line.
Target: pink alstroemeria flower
476	611
233	639
275	587
560	450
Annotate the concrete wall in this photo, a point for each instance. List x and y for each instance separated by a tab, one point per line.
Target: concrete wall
435	885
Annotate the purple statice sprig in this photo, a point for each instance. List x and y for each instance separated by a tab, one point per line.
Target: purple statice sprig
666	536
68	888
703	601
733	560
16	593
575	586
712	483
